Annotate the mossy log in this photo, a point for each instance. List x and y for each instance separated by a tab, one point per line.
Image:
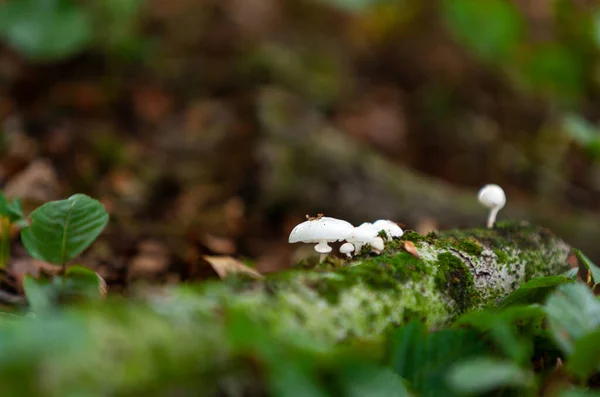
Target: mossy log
192	338
454	272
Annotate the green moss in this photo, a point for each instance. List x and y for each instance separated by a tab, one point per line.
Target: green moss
455	279
520	235
365	250
503	257
535	266
410	315
432	236
330	287
381	272
471	246
413	236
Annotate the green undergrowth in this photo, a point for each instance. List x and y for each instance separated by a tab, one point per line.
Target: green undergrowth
195	340
396	324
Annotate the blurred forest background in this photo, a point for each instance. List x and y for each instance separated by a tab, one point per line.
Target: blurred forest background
211	127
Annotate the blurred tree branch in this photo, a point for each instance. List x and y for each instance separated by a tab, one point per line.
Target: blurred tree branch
312	167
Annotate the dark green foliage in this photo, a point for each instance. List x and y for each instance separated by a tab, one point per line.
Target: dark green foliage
45	29
573	311
45	294
585	360
12	210
536	290
183	342
483	375
424	359
11	214
589	266
49	30
498	24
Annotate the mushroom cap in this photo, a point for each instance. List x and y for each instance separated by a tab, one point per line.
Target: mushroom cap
321	229
363	233
390	228
492	196
347	248
377	244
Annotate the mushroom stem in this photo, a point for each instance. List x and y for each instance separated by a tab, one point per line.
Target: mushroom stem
323	248
347	249
322	257
492	217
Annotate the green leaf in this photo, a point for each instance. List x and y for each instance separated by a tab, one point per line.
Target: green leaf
589	265
491	29
44	294
45	29
554	70
572	312
585	359
367	380
14	210
580	130
423	359
290	380
3	204
41	294
579	393
484	374
61	230
535	290
79	281
572	273
512	329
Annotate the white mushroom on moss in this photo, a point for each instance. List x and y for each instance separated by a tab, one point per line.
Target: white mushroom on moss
347	249
321	230
390	228
366	233
377	244
492	196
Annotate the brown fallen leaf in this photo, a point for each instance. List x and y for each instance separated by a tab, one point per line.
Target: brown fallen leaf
409	246
226	265
103	286
37	183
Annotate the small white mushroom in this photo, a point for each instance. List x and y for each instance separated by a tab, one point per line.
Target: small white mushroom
361	235
321	230
390	228
377	244
493	197
366	233
347	249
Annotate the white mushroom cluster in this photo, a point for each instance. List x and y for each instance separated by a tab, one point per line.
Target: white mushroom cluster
323	230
